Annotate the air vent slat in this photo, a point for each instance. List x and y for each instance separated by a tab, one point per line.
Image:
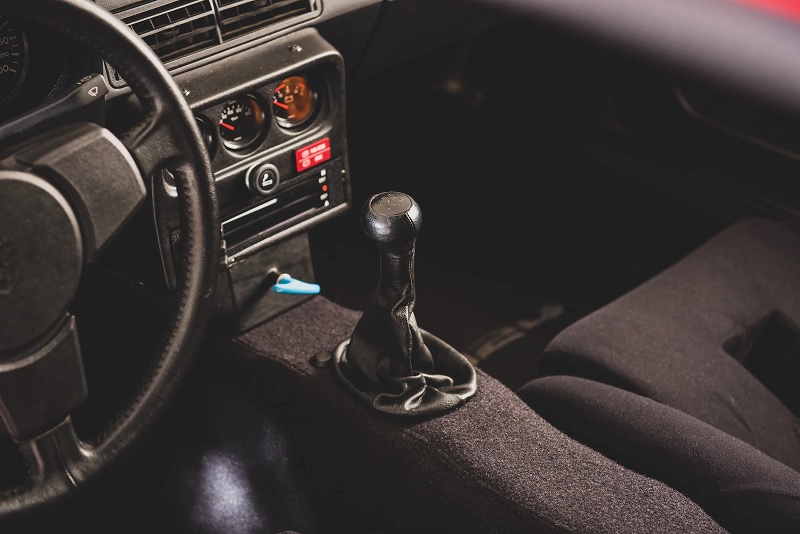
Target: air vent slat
242	16
177	40
270	14
176	29
223	3
194	6
207	24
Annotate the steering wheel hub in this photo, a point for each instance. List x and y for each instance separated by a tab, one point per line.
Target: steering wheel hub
41	254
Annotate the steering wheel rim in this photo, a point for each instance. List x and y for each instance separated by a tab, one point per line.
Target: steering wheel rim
168	136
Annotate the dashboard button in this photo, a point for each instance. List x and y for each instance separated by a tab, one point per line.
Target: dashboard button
263	178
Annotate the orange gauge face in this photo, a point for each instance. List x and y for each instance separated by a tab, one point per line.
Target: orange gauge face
294	101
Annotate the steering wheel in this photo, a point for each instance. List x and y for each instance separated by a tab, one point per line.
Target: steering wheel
64	195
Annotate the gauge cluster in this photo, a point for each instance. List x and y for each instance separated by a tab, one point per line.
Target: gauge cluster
242	121
252	121
265	140
35	65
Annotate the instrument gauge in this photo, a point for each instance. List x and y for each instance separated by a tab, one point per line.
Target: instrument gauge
13	59
294	101
241	122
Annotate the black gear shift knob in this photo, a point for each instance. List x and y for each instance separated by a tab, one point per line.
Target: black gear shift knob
392	219
389	362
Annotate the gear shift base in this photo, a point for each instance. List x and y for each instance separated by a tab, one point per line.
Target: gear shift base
421	394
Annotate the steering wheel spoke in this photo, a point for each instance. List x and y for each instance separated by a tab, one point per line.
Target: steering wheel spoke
50	455
96	174
50	460
39	389
152	145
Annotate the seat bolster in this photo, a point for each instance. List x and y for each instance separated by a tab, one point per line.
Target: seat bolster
739	486
669	338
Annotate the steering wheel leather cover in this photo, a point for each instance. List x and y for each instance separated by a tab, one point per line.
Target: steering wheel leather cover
168	136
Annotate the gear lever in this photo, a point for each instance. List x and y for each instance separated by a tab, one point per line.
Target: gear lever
389	362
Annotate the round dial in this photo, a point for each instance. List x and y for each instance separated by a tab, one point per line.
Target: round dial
294	101
13	59
241	122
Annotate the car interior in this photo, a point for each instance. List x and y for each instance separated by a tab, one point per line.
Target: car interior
399	266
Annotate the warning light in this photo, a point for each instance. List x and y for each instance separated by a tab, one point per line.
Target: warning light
325	187
313	154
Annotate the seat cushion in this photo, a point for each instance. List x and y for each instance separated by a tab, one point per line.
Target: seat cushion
743	489
707	337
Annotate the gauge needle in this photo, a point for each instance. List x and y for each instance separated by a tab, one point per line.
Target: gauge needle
228	126
281	104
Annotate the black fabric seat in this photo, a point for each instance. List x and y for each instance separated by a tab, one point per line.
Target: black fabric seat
693	378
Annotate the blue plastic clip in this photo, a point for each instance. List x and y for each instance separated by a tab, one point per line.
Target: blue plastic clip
290	286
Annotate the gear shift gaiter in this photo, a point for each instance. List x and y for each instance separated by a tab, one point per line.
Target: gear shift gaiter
389	362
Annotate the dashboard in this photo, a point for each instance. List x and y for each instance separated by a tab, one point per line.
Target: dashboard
275	128
259	122
266	83
268	96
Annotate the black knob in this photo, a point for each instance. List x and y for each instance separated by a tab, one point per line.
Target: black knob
262	179
392	219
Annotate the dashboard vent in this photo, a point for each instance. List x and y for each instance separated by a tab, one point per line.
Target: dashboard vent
176	29
238	17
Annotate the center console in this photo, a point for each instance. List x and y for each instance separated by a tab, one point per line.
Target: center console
273	119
